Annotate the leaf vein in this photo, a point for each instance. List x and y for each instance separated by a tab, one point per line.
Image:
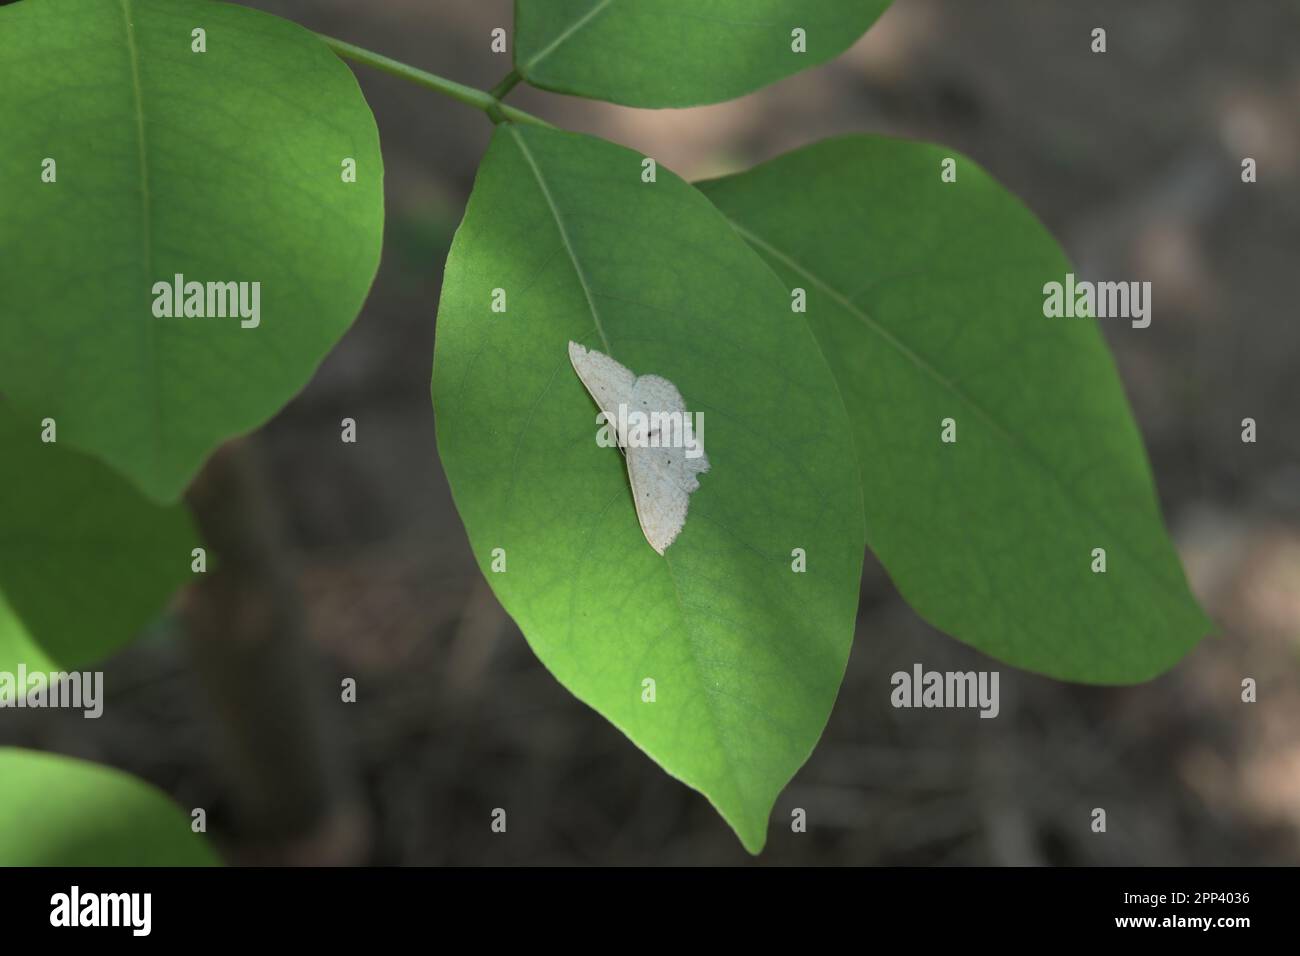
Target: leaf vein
564	236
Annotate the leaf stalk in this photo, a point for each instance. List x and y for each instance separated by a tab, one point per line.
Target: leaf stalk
488	103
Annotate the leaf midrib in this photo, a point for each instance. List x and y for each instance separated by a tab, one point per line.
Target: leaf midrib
564	235
1026	453
146	221
565	36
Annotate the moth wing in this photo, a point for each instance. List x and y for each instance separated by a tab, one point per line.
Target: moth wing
609	383
653	393
662	477
661	497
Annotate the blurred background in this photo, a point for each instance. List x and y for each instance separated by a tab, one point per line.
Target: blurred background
1132	159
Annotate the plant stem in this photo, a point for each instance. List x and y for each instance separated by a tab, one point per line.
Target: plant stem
487	102
508	83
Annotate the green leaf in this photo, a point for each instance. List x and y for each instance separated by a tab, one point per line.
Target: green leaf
927	299
222	166
57	811
85	561
746	654
657	53
17	646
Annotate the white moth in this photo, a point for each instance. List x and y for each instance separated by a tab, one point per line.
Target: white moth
660	469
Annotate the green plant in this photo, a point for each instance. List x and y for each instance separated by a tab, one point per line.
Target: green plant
860	321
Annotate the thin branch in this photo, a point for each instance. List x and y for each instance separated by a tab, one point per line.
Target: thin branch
468	95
